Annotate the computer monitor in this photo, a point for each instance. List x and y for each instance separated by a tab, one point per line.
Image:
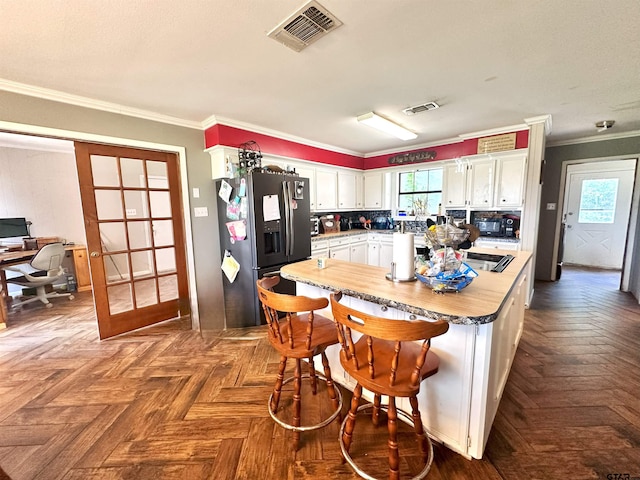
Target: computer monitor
13	227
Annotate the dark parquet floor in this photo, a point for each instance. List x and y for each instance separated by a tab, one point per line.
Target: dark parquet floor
168	403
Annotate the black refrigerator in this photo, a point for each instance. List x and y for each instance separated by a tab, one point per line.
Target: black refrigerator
274	208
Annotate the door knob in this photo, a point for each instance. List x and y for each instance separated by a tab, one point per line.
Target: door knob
95	254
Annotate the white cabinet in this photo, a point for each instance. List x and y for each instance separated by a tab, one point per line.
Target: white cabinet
455	186
510	181
319	248
341	253
374	190
487	242
358	246
497	182
326	194
347	185
380	249
359	191
351	248
310	173
482	175
486	182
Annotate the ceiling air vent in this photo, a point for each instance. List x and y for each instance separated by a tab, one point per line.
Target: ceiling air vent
305	26
420	108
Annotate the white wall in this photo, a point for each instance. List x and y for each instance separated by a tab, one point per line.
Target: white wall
42	187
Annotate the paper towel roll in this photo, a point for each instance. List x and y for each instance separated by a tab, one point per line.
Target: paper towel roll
403	255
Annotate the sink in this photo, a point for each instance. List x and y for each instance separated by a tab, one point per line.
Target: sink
488	262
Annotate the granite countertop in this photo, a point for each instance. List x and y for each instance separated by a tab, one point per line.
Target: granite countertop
477	304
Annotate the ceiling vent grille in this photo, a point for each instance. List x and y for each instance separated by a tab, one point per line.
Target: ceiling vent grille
420	108
305	26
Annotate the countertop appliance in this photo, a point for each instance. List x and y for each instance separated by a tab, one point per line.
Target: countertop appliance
315	226
275	208
503	227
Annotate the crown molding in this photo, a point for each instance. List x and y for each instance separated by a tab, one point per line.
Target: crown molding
546	119
494	131
57	96
595	138
217	120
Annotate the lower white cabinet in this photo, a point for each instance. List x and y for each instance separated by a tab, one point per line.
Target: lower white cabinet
496	243
319	248
358	252
380	249
341	253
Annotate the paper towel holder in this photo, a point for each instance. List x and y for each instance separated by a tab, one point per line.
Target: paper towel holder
392	275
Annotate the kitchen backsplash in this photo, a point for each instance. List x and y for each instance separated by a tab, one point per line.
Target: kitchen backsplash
368	215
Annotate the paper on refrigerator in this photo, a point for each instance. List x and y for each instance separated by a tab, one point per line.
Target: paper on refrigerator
270	208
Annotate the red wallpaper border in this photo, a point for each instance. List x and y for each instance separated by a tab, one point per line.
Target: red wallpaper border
232	137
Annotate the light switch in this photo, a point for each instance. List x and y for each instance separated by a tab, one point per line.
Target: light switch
196	192
551	206
201	211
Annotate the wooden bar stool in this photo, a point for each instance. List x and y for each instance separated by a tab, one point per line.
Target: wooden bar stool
386	360
295	331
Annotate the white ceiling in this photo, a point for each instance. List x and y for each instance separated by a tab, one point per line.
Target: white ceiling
489	64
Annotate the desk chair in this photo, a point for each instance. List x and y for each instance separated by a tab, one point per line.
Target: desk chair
390	358
295	331
47	264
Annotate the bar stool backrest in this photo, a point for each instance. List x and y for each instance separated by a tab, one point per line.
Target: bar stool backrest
378	329
281	311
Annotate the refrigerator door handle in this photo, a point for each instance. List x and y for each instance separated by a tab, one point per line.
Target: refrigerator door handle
287	220
291	226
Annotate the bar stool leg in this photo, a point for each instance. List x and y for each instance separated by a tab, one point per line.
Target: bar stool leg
394	456
351	417
417	426
330	387
297	385
312	376
375	414
277	389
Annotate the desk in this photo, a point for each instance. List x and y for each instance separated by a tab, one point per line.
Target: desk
76	254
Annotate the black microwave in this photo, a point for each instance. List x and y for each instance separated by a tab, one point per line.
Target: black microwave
496	227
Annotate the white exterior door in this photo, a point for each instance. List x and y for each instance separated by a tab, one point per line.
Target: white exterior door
597	205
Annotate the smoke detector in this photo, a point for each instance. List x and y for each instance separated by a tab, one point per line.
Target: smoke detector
604	125
420	108
307	25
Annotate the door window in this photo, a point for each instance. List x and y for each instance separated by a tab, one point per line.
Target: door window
598	201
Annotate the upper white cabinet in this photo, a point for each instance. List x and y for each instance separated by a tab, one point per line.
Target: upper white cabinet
455	186
310	173
359	191
511	176
482	175
326	190
486	182
374	190
347	186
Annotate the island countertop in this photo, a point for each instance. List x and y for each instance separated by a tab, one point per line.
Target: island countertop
478	303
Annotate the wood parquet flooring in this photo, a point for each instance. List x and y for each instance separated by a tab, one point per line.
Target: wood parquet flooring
168	403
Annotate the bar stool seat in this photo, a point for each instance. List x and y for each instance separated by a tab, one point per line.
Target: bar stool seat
391	358
297	332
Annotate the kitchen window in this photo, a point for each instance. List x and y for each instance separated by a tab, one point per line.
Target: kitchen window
420	191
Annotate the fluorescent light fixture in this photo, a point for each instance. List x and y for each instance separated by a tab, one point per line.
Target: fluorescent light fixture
386	126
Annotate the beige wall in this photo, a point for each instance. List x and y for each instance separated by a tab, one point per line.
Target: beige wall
27	110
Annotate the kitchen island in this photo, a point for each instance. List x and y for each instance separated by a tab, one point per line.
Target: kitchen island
459	403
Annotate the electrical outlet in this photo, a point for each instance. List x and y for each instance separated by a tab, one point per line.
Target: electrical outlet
196	192
551	206
131	212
